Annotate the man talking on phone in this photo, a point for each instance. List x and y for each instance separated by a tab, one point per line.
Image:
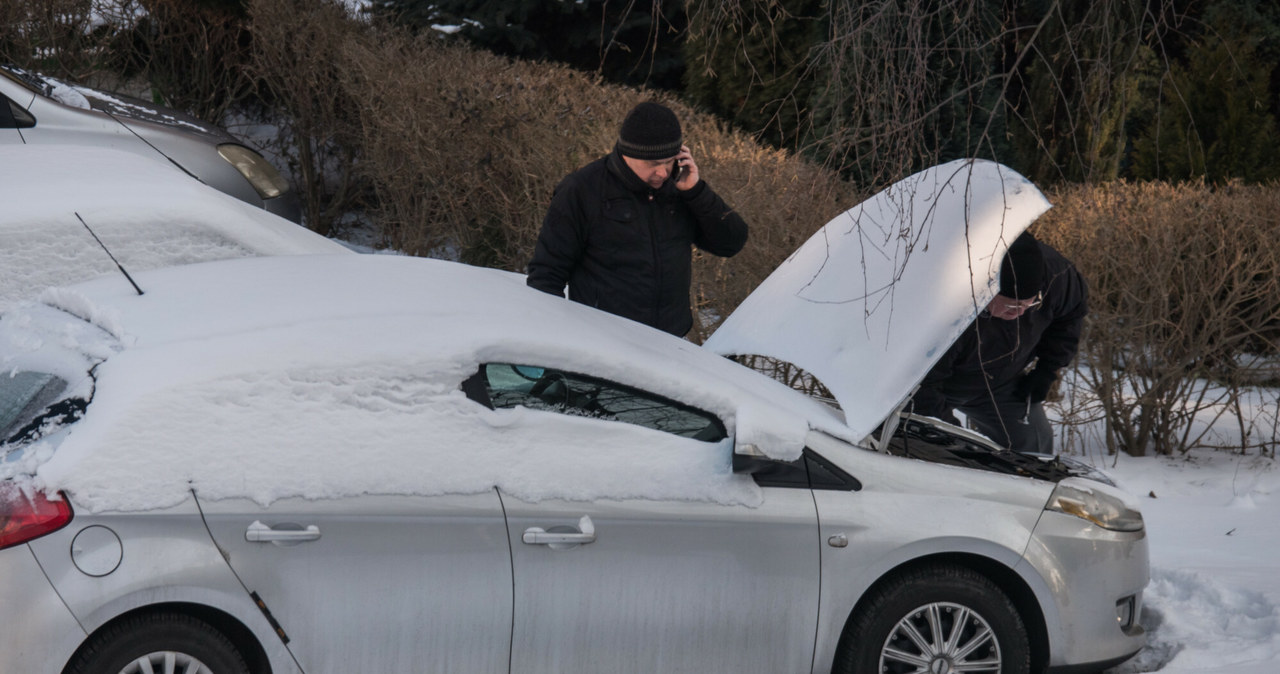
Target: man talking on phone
620	230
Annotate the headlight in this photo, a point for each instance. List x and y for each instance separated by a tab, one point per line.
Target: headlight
1102	509
258	171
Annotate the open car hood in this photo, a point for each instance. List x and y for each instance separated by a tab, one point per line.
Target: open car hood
873	299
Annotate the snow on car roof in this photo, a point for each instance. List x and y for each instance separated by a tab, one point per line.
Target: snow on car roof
268	378
147	213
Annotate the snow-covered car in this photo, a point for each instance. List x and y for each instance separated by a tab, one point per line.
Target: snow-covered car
40	110
69	210
368	463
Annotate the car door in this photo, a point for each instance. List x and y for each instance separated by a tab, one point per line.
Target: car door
656	583
377	583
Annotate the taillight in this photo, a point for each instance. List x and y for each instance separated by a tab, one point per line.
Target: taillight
27	516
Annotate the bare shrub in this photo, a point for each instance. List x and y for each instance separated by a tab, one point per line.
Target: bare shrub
188	55
1183	281
193	54
297	58
53	36
463	148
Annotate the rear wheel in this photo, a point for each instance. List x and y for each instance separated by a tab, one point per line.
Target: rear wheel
160	643
936	620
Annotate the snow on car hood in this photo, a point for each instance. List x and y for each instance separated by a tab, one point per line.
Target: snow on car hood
873	299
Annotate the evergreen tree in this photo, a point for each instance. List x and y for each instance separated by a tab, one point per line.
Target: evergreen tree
627	43
1082	83
1216	116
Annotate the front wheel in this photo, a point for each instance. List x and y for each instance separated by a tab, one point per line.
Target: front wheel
936	620
161	643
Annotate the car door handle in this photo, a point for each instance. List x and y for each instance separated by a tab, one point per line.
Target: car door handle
538	536
261	533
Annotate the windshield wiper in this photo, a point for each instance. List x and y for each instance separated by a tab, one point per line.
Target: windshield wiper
35	82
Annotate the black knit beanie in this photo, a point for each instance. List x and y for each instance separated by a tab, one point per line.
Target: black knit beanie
1022	271
650	131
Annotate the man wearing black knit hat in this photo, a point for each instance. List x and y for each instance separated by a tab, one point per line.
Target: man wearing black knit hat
1000	370
620	230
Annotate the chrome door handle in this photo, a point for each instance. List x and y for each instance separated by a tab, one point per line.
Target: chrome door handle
538	536
261	533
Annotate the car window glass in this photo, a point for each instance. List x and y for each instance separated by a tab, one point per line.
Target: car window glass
574	394
23	395
17	117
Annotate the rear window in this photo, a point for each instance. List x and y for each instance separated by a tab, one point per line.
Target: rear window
27	401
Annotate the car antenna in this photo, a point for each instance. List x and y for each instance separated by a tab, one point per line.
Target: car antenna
113	258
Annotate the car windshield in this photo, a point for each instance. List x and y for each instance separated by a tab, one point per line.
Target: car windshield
25	399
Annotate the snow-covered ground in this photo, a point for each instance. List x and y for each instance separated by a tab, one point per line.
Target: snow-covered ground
1213	519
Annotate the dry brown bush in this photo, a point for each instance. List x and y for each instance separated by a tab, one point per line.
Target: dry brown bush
462	149
1183	281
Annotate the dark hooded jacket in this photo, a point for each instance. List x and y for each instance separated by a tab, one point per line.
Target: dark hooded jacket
625	248
994	351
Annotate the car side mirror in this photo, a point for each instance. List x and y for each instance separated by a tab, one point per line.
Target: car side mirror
748	459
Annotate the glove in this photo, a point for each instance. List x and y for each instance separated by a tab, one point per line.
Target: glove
1035	384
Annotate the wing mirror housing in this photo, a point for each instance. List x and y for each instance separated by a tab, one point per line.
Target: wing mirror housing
748	459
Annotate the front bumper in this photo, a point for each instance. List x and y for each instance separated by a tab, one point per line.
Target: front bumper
37	631
1092	590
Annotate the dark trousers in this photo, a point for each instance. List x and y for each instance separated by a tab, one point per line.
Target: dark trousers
1000	415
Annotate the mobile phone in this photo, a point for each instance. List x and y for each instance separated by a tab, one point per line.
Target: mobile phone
677	172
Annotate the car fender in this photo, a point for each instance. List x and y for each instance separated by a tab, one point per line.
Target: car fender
894	517
164	557
846	578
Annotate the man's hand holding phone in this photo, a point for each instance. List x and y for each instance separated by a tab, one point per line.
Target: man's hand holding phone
685	172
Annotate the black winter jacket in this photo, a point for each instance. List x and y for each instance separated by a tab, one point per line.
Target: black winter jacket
625	248
994	351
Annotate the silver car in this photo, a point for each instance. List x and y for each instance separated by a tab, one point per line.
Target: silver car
40	110
369	463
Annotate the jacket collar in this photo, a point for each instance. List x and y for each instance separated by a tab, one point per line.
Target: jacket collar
618	167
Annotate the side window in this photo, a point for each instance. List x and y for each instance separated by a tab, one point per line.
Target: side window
14	117
541	388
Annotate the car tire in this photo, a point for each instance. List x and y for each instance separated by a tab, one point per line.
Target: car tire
905	626
168	642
